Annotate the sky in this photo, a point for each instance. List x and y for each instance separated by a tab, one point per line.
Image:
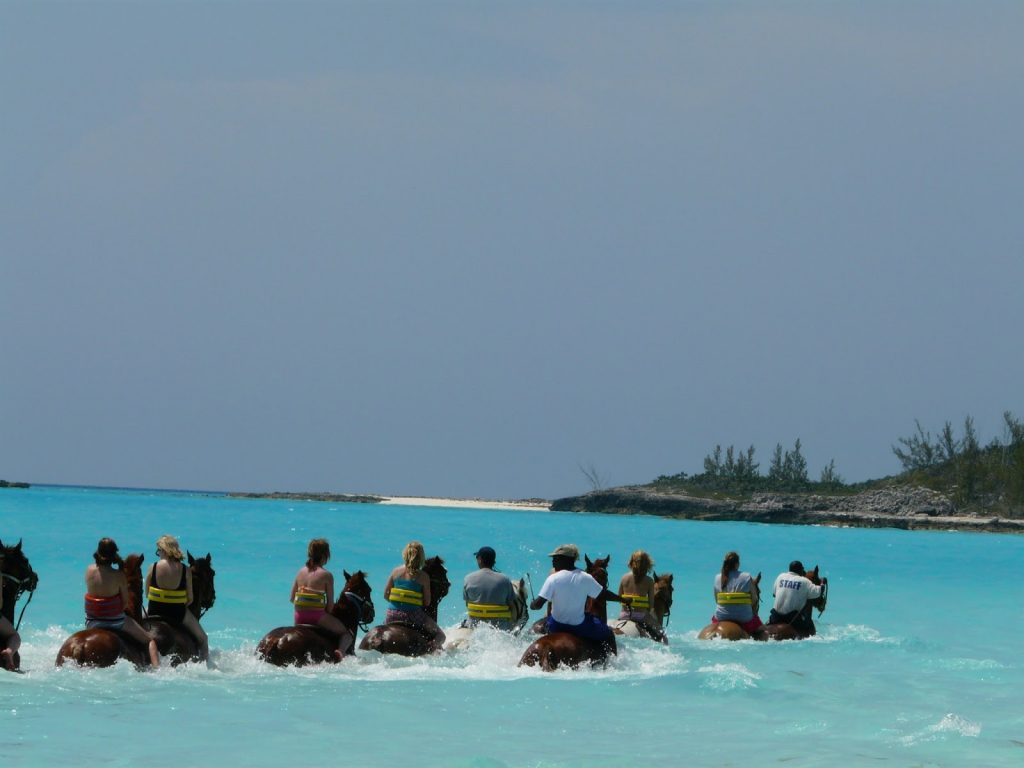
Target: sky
473	249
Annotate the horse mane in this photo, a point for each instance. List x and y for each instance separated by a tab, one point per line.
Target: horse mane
203	592
663	594
599	570
438	574
132	570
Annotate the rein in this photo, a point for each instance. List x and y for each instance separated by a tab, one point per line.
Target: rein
21	588
361	606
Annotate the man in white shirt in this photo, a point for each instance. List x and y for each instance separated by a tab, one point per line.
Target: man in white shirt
792	591
572	593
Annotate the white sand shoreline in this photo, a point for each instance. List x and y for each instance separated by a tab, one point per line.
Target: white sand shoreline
429	501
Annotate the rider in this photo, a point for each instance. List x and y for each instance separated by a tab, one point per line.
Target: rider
10	640
736	594
488	594
172	603
408	591
572	593
639	586
792	591
106	594
313	596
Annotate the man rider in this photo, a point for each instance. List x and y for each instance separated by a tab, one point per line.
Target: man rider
792	591
572	593
488	594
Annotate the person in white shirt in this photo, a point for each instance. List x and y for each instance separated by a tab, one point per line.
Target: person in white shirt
572	593
792	591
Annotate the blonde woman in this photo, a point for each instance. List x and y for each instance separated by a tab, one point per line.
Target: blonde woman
313	596
408	592
639	587
169	589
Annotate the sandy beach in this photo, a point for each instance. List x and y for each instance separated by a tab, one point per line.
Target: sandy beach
426	501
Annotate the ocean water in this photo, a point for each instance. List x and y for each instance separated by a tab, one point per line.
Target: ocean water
917	663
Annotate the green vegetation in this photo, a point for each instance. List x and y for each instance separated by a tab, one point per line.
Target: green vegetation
981	479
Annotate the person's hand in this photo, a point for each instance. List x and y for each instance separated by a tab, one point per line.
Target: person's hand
627	600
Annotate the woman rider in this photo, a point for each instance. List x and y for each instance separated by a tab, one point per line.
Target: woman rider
313	596
106	594
638	585
169	588
408	590
736	595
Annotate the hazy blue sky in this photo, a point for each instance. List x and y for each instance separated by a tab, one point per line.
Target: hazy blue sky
463	248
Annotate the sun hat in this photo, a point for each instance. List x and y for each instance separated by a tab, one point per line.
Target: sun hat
566	550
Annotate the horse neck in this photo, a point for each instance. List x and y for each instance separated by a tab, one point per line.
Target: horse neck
10	592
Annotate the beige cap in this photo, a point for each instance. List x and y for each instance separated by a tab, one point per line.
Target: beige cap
566	550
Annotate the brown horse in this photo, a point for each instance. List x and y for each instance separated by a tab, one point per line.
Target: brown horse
18	578
174	640
790	632
730	630
566	649
405	639
305	644
661	608
103	647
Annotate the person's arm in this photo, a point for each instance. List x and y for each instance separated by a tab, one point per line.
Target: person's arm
537	603
424	581
607	594
649	616
295	588
387	586
329	588
188	584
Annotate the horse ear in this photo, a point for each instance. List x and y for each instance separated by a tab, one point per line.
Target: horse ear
17	547
586	559
191	560
346	574
655	575
758	579
207	558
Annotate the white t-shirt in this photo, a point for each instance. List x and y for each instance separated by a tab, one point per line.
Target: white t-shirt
568	592
792	592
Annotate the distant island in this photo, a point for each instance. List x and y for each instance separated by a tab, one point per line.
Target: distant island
948	482
5	484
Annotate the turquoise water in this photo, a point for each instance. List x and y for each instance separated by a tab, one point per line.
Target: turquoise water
917	662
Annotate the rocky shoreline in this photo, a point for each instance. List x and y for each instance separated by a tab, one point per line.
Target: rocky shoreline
352	498
906	507
6	484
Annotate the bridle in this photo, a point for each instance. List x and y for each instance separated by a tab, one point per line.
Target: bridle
32	580
360	603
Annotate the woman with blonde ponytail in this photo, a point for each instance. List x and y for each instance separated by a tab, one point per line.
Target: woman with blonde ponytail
408	592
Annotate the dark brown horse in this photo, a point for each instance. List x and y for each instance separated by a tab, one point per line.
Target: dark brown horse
103	647
730	630
18	578
405	639
569	650
790	632
174	640
308	644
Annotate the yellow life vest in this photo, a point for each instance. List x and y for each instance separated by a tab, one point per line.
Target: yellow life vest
486	610
640	602
310	599
172	596
405	596
734	598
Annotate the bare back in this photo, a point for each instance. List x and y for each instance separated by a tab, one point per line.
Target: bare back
104	581
318	579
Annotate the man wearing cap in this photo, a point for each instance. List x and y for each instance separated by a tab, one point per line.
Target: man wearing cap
792	591
488	594
572	593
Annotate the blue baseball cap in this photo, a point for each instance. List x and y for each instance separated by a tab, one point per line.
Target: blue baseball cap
485	552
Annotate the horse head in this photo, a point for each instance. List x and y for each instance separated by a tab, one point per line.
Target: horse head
599	570
132	570
439	584
520	613
18	575
356	591
663	589
815	578
203	592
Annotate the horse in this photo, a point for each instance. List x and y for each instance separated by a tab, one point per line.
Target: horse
730	630
406	639
103	647
304	644
174	640
566	649
661	608
460	635
788	631
17	578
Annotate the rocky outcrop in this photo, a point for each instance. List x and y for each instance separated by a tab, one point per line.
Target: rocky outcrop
5	484
907	507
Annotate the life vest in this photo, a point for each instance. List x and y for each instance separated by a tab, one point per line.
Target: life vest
640	602
310	600
170	596
406	594
734	598
104	608
486	610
